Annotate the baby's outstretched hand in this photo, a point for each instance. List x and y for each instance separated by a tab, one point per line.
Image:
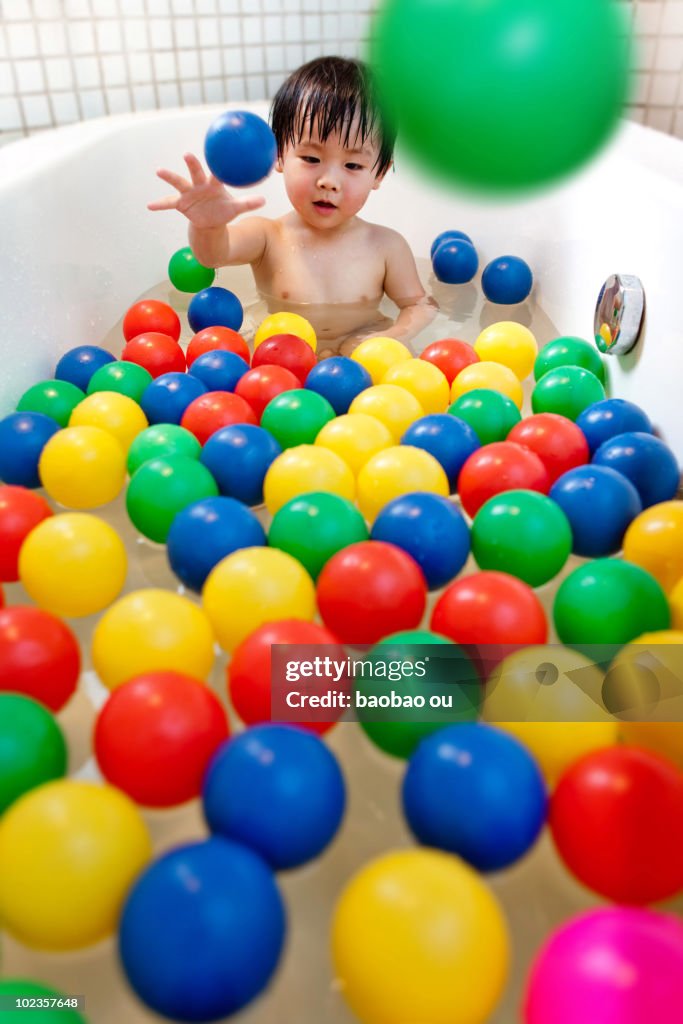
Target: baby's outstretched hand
204	200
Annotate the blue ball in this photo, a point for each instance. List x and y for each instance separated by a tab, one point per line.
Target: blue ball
238	457
215	307
644	460
477	792
600	504
79	364
207	531
448	236
604	420
23	435
455	261
450	440
339	380
240	148
279	790
166	398
507	280
431	529
219	370
202	930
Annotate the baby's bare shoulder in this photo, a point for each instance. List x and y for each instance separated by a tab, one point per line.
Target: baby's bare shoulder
385	238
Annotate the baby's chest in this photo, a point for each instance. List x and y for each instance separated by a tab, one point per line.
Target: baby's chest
340	273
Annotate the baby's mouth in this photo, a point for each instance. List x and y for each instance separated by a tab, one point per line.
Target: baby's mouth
324	205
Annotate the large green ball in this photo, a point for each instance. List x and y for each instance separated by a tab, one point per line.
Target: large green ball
567	391
121	376
32	747
501	95
160	440
314	526
161	488
296	417
491	414
569	351
187	274
54	398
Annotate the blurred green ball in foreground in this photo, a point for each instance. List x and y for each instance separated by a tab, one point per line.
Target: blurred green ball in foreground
501	95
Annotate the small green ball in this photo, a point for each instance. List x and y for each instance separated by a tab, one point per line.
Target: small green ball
23	988
54	398
187	274
569	351
122	377
296	417
491	414
32	747
160	440
161	488
567	391
314	526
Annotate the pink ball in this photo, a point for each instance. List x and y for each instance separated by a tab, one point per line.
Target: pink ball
611	965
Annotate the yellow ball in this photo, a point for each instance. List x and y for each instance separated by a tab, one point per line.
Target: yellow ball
395	407
419	938
253	586
557	745
355	437
654	540
148	631
82	467
426	382
303	468
493	376
117	414
396	471
69	853
286	323
676	605
510	344
73	564
378	355
644	679
665	738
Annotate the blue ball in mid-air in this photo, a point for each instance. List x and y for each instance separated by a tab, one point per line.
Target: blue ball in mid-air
205	532
339	380
448	236
240	148
604	420
507	280
600	504
215	307
646	461
455	261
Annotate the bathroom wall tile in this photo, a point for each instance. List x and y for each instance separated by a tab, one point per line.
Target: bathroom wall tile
664	89
77	8
233	61
188	65
215	90
114	70
59	74
659	118
678	125
669	55
36	110
144	97
16	10
186	33
22	39
275	58
104	8
140	65
191	92
109	38
235	90
211	63
169	94
165	68
6	78
10	114
29	75
648	17
52	39
65	107
256	88
230	31
87	70
672	18
135	37
208	31
253	60
81	35
156	8
118	100
252	31
161	33
273	30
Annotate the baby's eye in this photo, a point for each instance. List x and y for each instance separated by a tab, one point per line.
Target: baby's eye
355	167
310	159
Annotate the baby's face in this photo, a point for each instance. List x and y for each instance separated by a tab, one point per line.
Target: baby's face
328	182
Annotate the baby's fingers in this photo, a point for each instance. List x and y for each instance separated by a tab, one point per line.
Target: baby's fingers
167	203
250	203
174	180
195	168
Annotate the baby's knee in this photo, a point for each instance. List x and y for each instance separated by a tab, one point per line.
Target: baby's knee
349	346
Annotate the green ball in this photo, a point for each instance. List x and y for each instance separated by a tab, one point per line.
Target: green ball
32	747
187	274
522	533
567	390
491	414
569	351
161	488
313	527
123	377
501	95
296	417
54	398
22	988
160	440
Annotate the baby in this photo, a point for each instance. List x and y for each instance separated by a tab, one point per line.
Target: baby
320	259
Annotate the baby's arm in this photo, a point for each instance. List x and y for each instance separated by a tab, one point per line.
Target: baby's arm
403	286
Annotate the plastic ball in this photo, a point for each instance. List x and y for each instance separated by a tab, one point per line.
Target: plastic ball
32	747
355	437
339	380
496	468
599	504
253	586
653	540
507	280
124	378
219	370
639	681
119	415
490	414
288	351
73	564
447	235
423	380
455	261
83	467
604	420
285	323
278	790
431	530
490	608
79	364
214	410
314	526
151	631
676	599
261	385
21	988
558	442
238	457
157	353
567	391
160	441
187	274
20	511
397	471
69	844
39	656
151	315
664	738
450	440
207	531
570	351
489	375
23	437
163	487
296	417
215	307
306	468
155	737
210	897
240	148
417	935
378	355
646	461
216	338
369	590
509	344
54	398
393	406
450	356
166	398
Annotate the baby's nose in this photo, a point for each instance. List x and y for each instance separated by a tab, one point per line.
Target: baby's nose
327	179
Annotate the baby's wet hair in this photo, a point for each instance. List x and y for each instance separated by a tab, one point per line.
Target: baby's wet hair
331	94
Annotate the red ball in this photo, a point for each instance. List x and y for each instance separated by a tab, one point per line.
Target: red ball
558	442
39	656
249	671
157	353
212	338
20	510
151	315
490	608
155	736
216	409
451	356
617	820
371	589
288	351
259	386
501	466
